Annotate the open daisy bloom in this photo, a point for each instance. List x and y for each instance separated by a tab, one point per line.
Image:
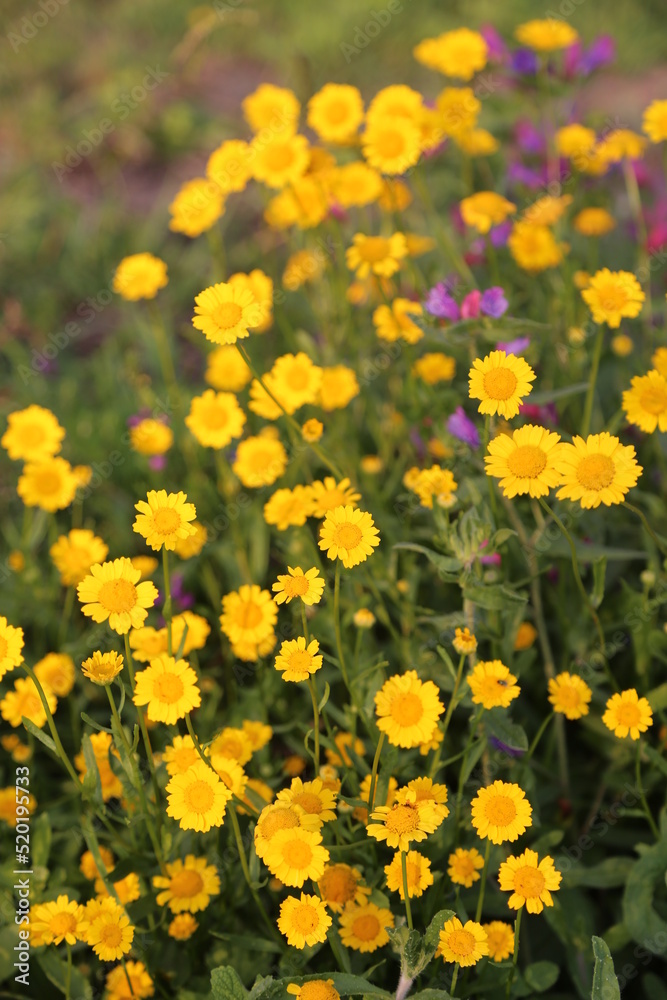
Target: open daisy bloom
418	870
224	314
364	927
627	714
645	404
403	822
74	553
11	644
112	592
32	434
546	35
57	921
303	920
102	668
335	112
107	929
341	884
464	944
129	982
312	796
391	145
569	695
485	209
525	462
530	881
613	295
296	855
500	939
140	276
164	519
248	614
492	685
188	885
501	812
169	688
49	484
599	470
197	798
407	709
464	866
295	583
378	255
460	53
24	700
348	534
215	418
500	381
298	659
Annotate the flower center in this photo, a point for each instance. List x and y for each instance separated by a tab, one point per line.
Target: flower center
529	882
403	818
336	112
62	923
613	298
297	377
461	942
281	819
199	796
166	520
500	811
374	248
338	886
31	435
628	714
295	586
305	918
279	157
117	595
527	462
168	688
317	990
595	472
185	758
226	315
413	871
407	709
186	884
347	535
297	854
300	661
48	482
391	144
366	928
500	383
569	697
215	417
654	400
111	935
249	615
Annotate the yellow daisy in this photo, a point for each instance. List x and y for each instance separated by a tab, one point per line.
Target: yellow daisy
312	796
524	462
343	741
224	313
139	276
534	247
102	745
151	437
403	822
226	370
340	885
57	921
434	483
364	927
278	817
569	695
187	548
248	614
231	772
460	53
500	939
429	796
297	659
464	866
394	322
612	296
418	870
593	222
597	470
327	494
391	145
180	755
654	121
197	207
169	688
380	255
485	209
288	508
303	920
182	927
645	404
55	670
546	34
407	709
492	685
24	700
339	386
111	591
280	160
188	885
308	586
233	742
73	554
457	113
215	418
32	435
107	929
260	461
348	534
335	112
49	484
530	881
164	518
464	944
464	642
356	184
197	799
271	107
140	986
259	733
229	166
501	812
627	714
435	367
500	381
296	855
11	644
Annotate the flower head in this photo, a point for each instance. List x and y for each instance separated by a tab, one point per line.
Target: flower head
464	866
260	461
102	668
248	614
654	122
11	644
340	885
303	920
335	112
613	295
298	659
215	418
225	313
403	822
569	695
407	709
140	984
391	144
348	534
492	685
57	921
493	302
464	944
33	434
418	869
164	519
24	702
296	855
500	381
139	276
627	714
645	404
500	939
188	885
198	205
440	303
526	462
307	586
464	642
546	35
530	881
73	554
314	989
597	470
197	799
378	255
485	209
501	812
169	688
112	592
107	929
363	927
460	53
49	484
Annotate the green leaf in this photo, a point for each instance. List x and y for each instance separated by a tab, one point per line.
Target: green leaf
654	987
352	985
609	874
599	571
540	398
39	735
431	994
432	935
639	916
493	598
656	758
498	725
226	985
92	783
605	983
447	564
657	698
540	976
95	725
55	969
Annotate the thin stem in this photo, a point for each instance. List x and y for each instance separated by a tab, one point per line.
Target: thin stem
52	726
406	892
454	979
316	722
339	641
166	607
635	202
162	342
482	888
217	247
127	976
445	726
68	973
142	724
66	615
459	793
588	405
517	929
647	527
374	774
246	872
304	622
640	788
538	737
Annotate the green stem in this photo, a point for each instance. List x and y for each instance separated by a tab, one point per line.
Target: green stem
459	793
406	893
68	972
316	723
162	342
246	873
450	710
635	202
52	726
647	527
217	247
66	615
127	975
482	888
93	845
588	405
454	979
374	774
304	622
166	607
517	929
442	235
142	724
640	788
538	737
339	641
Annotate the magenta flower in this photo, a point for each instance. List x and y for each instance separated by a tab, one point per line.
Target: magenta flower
460	426
440	303
470	305
493	302
516	346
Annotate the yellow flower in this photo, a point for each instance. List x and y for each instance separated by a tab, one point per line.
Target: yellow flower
229	166
402	822
356	184
525	462
111	591
485	209
394	322
215	418
376	254
234	743
391	145
464	866
118	987
348	534
151	437
297	659
339	885
460	53
659	360
88	865
477	142
302	267
492	685
260	461
500	381
364	618
303	920
407	709
464	944
534	248
295	583
314	989
57	921
335	112
597	470
225	313
501	812
327	494
312	796
312	430
569	695
180	755
270	107
293	380
530	882
197	799
102	745
164	518
418	870
437	483
188	885
127	889
226	370
260	286
458	110
24	700
645	404
296	855
547	211
182	927
277	818
304	204
500	939
248	614
259	733
526	635
435	367
20	753
107	929
339	386
32	435
371	465
575	141
197	206
147	643
279	160
429	797
49	484
621	144
73	554
628	714
140	276
230	772
622	345
613	295
364	927
546	35
11	644
395	197
594	222
464	642
186	548
169	688
198	631
654	121
56	670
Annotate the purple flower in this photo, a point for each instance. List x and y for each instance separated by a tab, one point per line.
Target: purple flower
462	427
518	173
500	234
157	463
529	138
525	61
510	751
440	303
493	302
470	305
495	44
517	346
583	62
